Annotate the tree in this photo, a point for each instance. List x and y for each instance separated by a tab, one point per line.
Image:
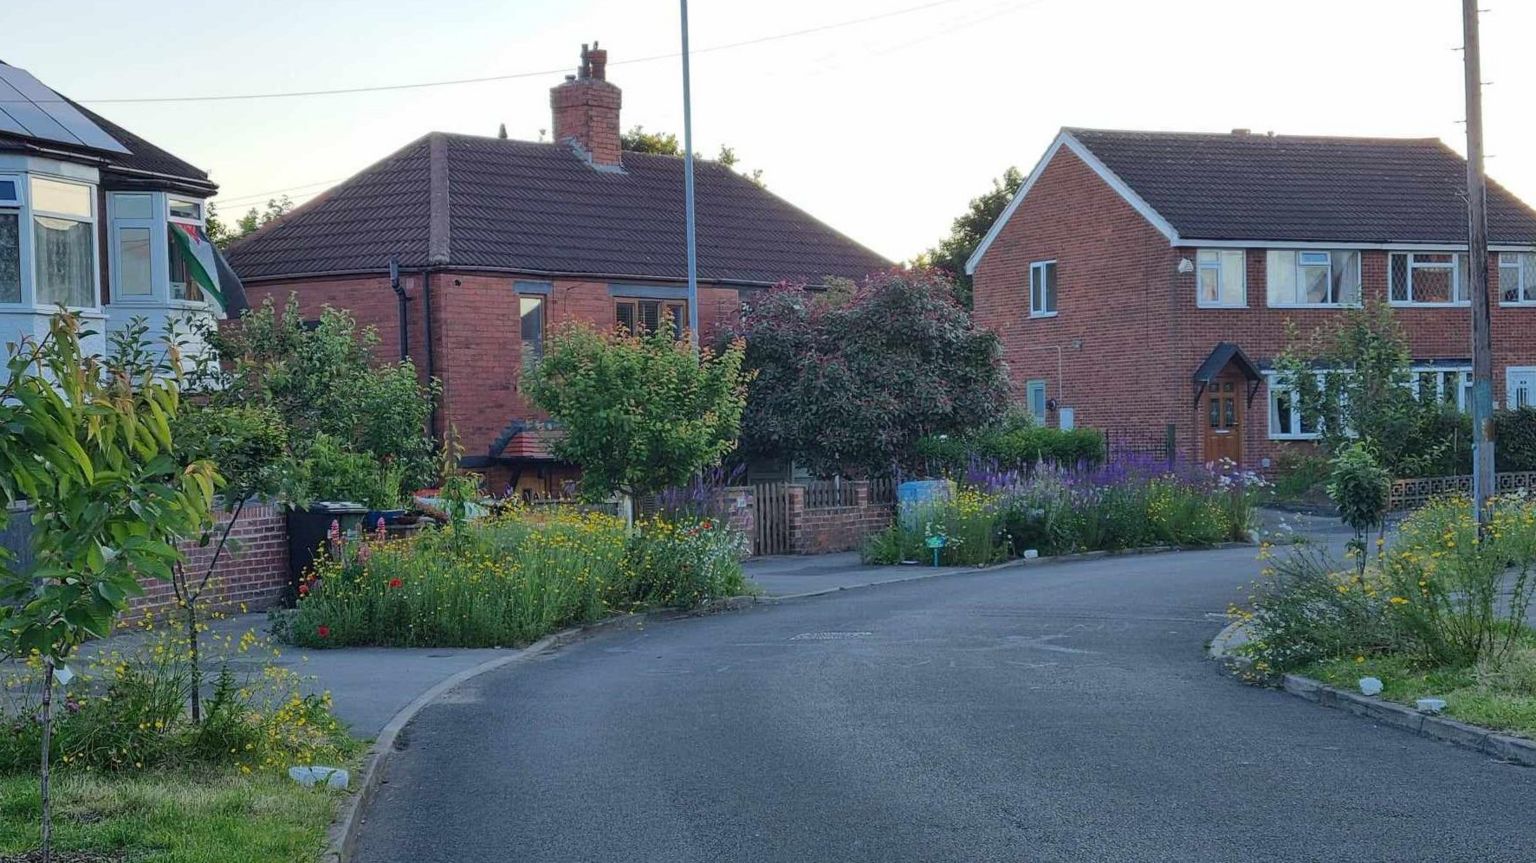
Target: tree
849	384
1352	381
640	413
1361	489
967	231
253	220
322	380
89	447
637	140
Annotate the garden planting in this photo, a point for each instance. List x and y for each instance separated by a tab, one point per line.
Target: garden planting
1049	509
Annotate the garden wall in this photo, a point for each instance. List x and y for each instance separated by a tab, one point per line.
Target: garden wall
255	576
818	528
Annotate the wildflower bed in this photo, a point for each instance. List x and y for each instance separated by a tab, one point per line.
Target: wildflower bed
1127	503
1433	614
138	779
509	580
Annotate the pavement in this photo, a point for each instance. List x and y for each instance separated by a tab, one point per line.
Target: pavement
791	575
1046	713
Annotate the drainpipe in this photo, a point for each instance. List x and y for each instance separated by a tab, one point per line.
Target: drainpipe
394	284
426	315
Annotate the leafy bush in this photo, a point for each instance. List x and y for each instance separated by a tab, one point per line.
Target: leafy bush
334	473
1307	608
1300	475
1012	443
508	580
1360	488
126	711
1515	434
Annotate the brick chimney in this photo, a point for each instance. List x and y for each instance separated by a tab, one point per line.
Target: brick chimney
586	110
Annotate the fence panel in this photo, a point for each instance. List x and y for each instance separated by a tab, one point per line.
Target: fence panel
882	490
827	493
1143	445
771	528
1410	494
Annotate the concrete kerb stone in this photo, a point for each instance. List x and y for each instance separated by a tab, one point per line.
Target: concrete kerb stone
1504	747
341	838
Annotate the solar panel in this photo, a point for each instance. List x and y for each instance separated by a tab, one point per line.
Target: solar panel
29	108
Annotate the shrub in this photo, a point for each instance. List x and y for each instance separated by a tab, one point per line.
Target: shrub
1300	474
507	580
1012	443
1360	488
1515	432
1307	608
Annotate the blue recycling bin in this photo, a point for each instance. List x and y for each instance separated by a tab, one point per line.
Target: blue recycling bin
915	498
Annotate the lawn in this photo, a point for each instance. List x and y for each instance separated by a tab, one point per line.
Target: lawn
1504	700
210	815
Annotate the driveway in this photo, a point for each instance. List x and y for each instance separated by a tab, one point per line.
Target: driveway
1051	713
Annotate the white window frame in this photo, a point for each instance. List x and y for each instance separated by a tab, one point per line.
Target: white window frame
1458	290
29	240
1463	384
1513	373
159	274
1297	284
165	243
1524	291
1218	264
1041	268
1273	390
17	206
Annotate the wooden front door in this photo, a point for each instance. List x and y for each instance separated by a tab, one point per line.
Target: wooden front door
1223	421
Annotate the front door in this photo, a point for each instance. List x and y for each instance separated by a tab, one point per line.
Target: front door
1223	421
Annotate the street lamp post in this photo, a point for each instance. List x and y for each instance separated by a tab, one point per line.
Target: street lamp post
693	258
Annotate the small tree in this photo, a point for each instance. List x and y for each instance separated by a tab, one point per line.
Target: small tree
1361	489
967	231
89	447
640	413
848	383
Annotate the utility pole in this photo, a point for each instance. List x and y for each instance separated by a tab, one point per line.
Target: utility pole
693	252
1477	271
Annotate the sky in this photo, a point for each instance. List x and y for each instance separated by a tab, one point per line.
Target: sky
884	120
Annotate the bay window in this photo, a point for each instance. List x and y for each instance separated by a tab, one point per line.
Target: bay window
1517	278
1427	278
1287	420
63	242
1313	278
10	239
1221	277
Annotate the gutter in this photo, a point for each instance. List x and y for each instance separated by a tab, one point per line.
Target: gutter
524	271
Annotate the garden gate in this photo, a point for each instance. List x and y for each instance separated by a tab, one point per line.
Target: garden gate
771	530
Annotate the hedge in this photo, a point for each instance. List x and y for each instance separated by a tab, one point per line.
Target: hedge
1012	447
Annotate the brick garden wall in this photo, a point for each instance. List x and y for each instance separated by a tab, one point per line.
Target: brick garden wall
255	577
823	530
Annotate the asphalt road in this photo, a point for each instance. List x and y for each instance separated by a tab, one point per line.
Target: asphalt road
1054	713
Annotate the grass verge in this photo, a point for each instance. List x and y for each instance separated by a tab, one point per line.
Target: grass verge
1502	698
206	815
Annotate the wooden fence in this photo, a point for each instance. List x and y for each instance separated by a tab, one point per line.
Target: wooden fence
771	528
1409	494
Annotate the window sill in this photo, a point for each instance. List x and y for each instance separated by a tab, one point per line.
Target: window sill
1314	305
1295	437
1204	305
1034	315
1401	304
47	311
1518	304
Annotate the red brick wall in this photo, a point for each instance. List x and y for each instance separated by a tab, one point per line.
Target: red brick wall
477	335
1142	333
255	576
824	530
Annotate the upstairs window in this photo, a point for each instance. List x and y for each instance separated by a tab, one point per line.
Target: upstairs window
64	242
1042	289
1221	277
1517	278
1427	278
646	316
10	239
531	309
1313	278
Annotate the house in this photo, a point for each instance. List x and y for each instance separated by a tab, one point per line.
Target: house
497	241
1142	282
96	219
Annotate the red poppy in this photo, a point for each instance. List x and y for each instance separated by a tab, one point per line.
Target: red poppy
323	631
394	582
303	589
708	525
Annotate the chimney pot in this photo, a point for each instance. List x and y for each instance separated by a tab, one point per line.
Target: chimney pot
1242	132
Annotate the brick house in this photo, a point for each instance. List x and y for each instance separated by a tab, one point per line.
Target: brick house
1142	282
499	240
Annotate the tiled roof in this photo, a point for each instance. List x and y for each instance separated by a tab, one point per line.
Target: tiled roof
540	208
142	156
1303	188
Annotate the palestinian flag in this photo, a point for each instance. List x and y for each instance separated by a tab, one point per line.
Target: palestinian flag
201	258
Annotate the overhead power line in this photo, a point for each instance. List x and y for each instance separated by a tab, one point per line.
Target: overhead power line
418	85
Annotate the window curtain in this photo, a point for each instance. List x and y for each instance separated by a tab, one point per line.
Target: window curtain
10	258
65	261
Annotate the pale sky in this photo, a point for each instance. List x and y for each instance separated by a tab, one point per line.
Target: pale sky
883	128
